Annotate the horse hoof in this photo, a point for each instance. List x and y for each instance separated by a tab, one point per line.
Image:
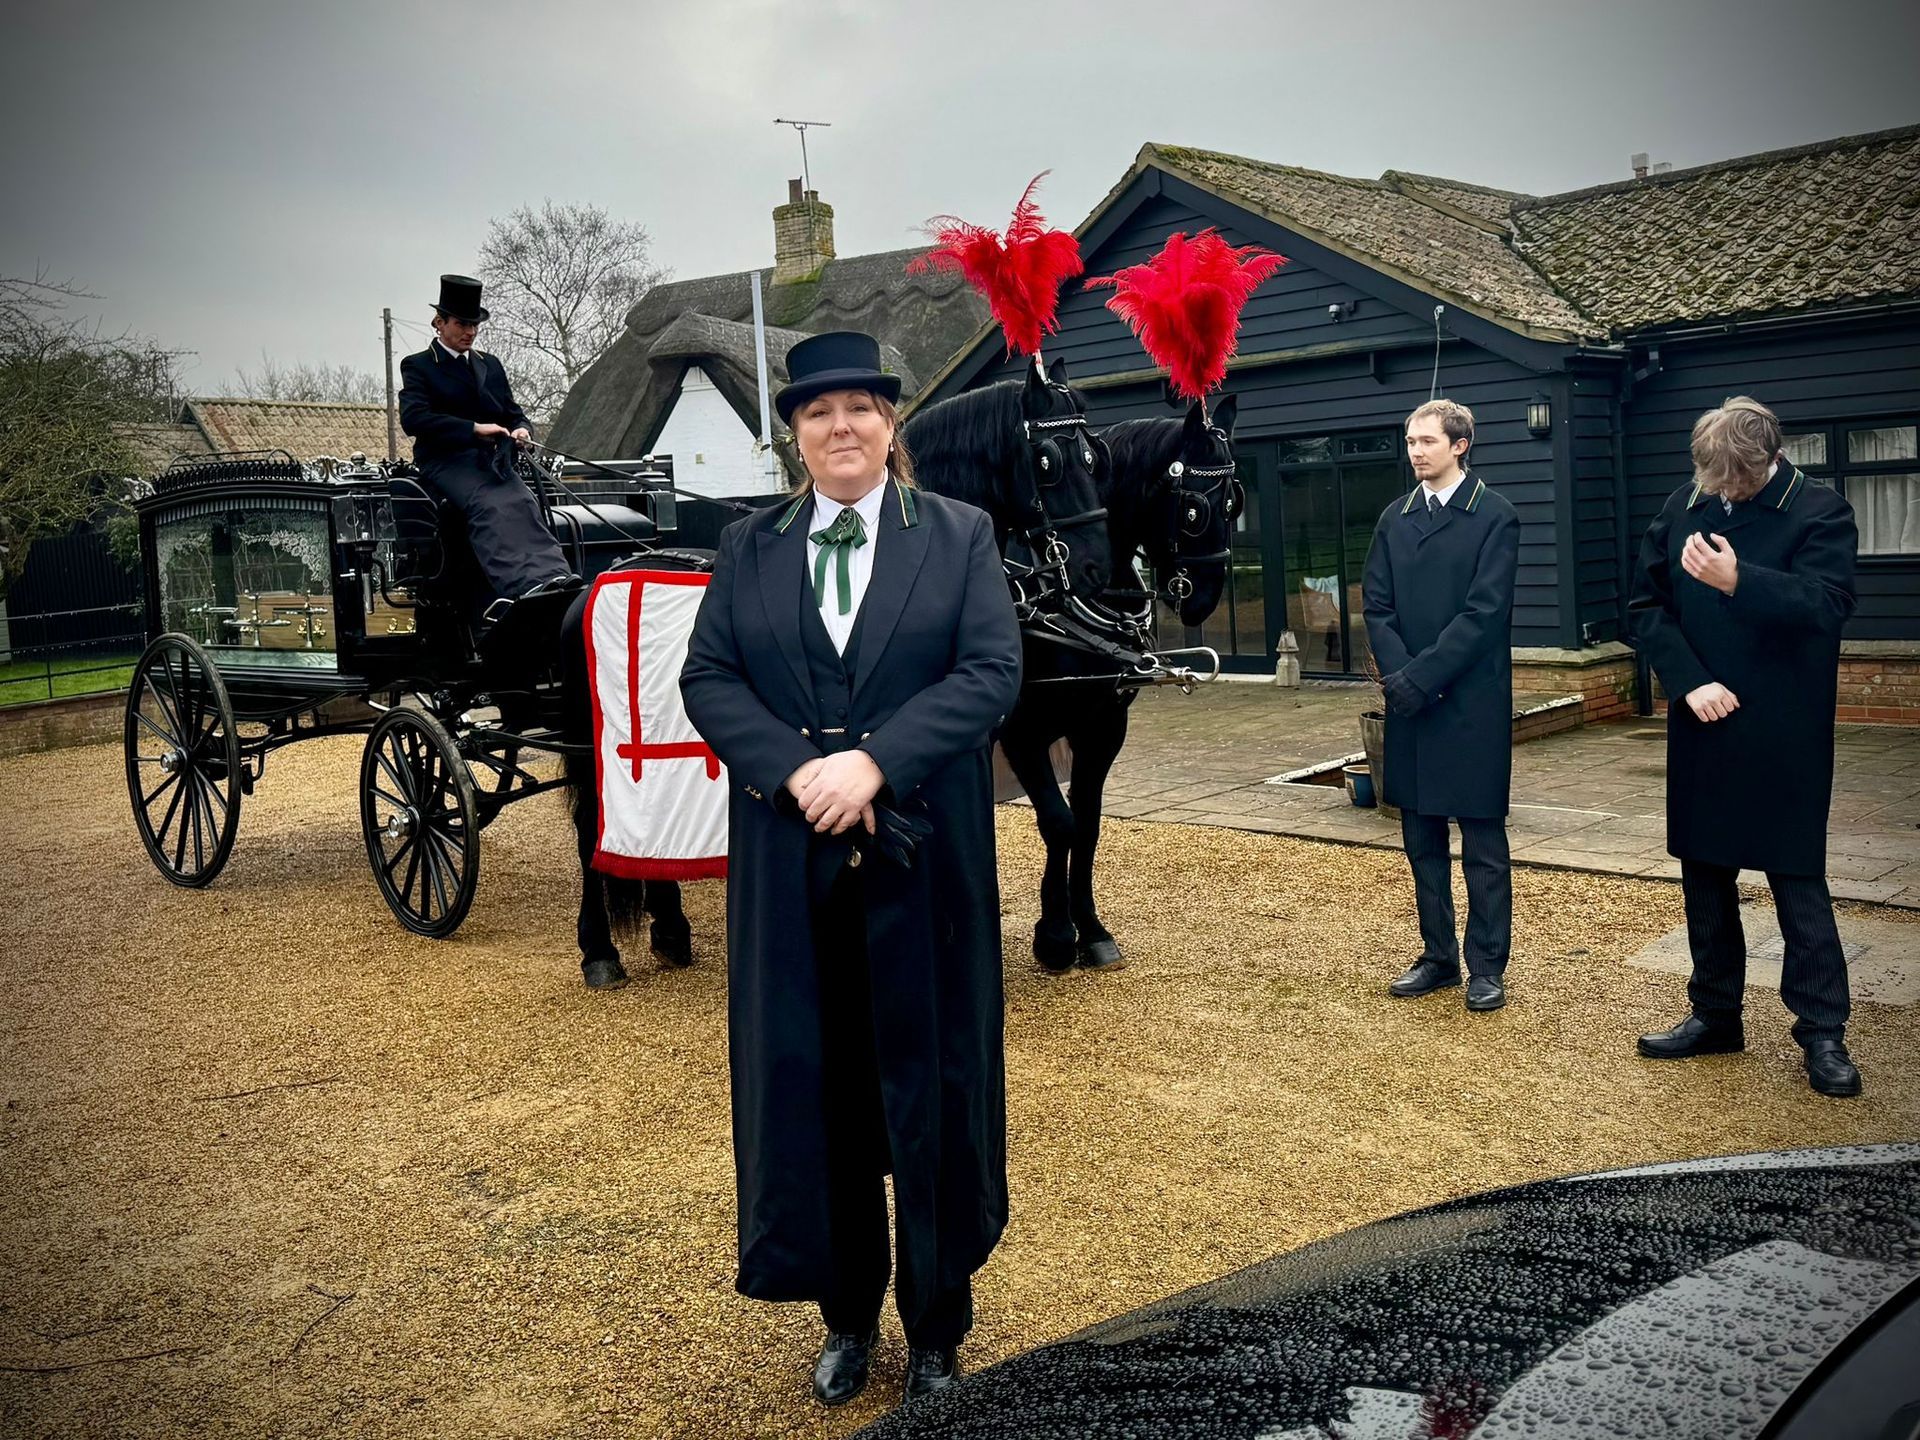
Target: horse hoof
674	948
1100	955
603	974
1056	957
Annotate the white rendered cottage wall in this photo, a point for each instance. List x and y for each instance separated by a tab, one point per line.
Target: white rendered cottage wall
713	453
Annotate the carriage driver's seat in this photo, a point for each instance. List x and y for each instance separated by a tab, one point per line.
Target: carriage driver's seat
432	558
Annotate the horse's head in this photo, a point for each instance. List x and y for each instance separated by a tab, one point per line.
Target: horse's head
1057	497
1192	544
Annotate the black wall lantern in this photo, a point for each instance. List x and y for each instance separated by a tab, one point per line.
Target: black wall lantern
1539	414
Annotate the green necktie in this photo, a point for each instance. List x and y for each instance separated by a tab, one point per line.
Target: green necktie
839	540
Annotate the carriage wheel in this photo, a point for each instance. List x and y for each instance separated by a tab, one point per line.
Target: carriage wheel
421	821
183	761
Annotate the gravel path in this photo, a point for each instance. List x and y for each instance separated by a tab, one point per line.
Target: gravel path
271	1165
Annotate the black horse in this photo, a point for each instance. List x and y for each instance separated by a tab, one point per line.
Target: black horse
1173	497
1021	451
1018	450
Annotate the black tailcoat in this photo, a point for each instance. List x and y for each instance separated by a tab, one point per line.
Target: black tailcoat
937	670
1438	594
441	399
1751	791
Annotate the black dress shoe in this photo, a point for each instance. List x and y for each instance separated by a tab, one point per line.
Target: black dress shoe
931	1370
1486	992
1424	978
841	1371
1830	1070
603	974
1694	1036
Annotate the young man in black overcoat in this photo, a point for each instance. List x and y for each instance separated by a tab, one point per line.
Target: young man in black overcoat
1746	578
1438	594
457	405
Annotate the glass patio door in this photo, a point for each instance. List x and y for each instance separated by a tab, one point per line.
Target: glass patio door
1332	490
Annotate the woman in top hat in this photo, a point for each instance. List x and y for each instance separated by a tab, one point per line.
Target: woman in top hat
854	653
456	403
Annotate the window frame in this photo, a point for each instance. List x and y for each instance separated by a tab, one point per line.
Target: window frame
1838	469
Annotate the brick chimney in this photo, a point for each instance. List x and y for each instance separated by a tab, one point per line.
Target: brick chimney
802	235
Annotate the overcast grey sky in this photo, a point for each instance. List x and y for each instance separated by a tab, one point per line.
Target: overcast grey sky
234	176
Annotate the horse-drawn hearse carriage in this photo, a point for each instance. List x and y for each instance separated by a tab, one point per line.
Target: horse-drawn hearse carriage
288	600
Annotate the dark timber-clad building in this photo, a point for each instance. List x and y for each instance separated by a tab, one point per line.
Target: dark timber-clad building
1585	330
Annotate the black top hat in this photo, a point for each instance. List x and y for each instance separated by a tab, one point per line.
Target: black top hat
460	298
837	360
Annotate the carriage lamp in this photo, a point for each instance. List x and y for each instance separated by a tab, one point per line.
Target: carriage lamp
1539	414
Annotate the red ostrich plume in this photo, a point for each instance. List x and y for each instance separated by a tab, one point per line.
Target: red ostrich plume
1185	303
1021	277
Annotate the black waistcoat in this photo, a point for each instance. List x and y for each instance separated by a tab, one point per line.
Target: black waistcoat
830	680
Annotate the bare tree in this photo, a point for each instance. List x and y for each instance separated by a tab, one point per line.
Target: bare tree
560	281
67	394
300	381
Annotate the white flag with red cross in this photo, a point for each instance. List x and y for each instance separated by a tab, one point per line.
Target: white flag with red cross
663	792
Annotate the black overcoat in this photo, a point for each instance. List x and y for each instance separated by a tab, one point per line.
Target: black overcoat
1751	790
441	399
937	670
1438	594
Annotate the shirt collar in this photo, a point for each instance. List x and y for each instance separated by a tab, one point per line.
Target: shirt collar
451	353
826	510
1446	495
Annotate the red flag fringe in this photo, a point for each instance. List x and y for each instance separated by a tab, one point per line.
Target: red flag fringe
1020	277
1185	304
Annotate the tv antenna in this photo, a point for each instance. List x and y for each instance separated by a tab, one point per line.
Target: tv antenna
806	175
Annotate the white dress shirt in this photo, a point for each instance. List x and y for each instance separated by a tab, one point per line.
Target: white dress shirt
1443	496
859	563
452	353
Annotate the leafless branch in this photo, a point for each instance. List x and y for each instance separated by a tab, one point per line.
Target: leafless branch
90	1364
318	1320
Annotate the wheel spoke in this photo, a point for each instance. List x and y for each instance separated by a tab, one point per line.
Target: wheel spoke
160	831
436	865
168	701
180	843
146	801
215	792
406	885
388	796
195	801
400	853
172	742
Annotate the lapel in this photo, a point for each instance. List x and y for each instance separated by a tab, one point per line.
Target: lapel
476	364
1464	500
896	565
1776	494
782	556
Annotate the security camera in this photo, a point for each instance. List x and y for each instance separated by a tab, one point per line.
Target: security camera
1333	311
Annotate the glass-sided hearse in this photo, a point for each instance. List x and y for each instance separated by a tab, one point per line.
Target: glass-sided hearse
288	599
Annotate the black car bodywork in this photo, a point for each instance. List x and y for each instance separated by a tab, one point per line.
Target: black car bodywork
1746	1296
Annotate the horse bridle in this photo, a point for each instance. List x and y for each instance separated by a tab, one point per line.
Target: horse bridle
1193	508
1048	464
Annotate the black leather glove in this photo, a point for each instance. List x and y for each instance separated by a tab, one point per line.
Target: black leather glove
897	832
1403	696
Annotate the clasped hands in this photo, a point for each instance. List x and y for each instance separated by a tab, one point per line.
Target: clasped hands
486	430
835	792
1711	564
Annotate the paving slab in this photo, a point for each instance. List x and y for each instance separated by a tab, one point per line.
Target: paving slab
1883	956
1234	754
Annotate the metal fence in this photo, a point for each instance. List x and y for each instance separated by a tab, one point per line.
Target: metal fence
71	652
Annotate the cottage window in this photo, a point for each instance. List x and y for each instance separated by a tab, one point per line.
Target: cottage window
1876	465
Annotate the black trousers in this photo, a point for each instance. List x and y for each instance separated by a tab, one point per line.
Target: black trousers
857	1153
1813	975
1483	857
510	540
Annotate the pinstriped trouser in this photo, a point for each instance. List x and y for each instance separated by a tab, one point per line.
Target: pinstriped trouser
1813	979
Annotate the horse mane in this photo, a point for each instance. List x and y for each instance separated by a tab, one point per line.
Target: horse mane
961	447
1142	450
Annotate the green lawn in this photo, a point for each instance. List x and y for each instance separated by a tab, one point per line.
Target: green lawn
24	681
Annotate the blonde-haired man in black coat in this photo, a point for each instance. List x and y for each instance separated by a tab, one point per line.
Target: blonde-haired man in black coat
1438	592
1746	578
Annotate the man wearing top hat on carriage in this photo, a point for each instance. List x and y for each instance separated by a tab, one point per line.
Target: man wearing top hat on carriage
456	403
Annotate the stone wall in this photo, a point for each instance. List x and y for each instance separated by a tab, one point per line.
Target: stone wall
1879	683
802	239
